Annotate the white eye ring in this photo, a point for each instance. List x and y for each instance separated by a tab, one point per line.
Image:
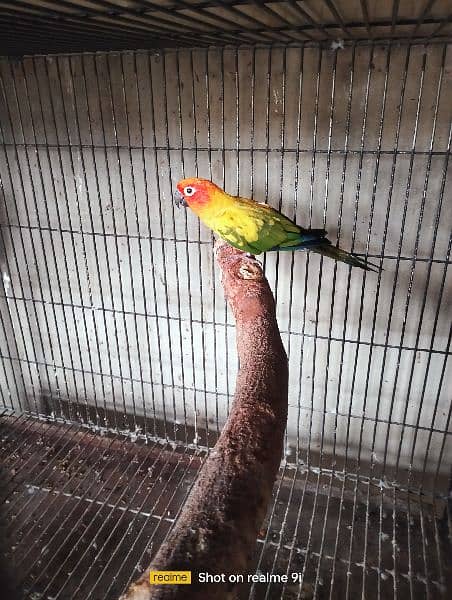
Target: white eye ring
189	191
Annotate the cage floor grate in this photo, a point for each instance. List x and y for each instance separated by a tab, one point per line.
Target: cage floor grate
83	514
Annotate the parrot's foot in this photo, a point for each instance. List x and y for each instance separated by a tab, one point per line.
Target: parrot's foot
253	257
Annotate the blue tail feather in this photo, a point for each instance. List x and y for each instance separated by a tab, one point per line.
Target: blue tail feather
315	240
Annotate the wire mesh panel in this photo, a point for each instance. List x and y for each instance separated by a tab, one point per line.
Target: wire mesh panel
32	26
111	312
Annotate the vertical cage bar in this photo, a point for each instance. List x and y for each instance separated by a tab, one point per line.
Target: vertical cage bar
196	438
27	267
63	247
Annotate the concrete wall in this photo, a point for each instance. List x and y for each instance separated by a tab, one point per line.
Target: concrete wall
110	295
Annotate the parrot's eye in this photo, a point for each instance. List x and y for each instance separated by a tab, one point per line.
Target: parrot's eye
189	191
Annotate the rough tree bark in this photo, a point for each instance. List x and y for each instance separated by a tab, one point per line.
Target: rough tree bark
217	528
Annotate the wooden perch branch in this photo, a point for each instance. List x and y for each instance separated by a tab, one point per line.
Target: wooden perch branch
217	528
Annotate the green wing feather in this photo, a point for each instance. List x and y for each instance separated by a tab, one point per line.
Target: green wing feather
256	228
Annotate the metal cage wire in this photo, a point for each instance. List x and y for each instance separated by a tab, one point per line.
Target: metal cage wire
112	318
61	26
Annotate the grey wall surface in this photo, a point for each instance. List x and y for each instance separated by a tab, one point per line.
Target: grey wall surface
110	295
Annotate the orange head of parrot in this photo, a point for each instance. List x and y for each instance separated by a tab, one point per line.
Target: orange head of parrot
194	192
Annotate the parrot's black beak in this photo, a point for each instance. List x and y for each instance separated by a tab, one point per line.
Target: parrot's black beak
179	199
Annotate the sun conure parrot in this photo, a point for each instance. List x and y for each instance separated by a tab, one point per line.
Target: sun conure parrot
254	227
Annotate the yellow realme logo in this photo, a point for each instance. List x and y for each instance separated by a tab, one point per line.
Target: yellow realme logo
169	577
